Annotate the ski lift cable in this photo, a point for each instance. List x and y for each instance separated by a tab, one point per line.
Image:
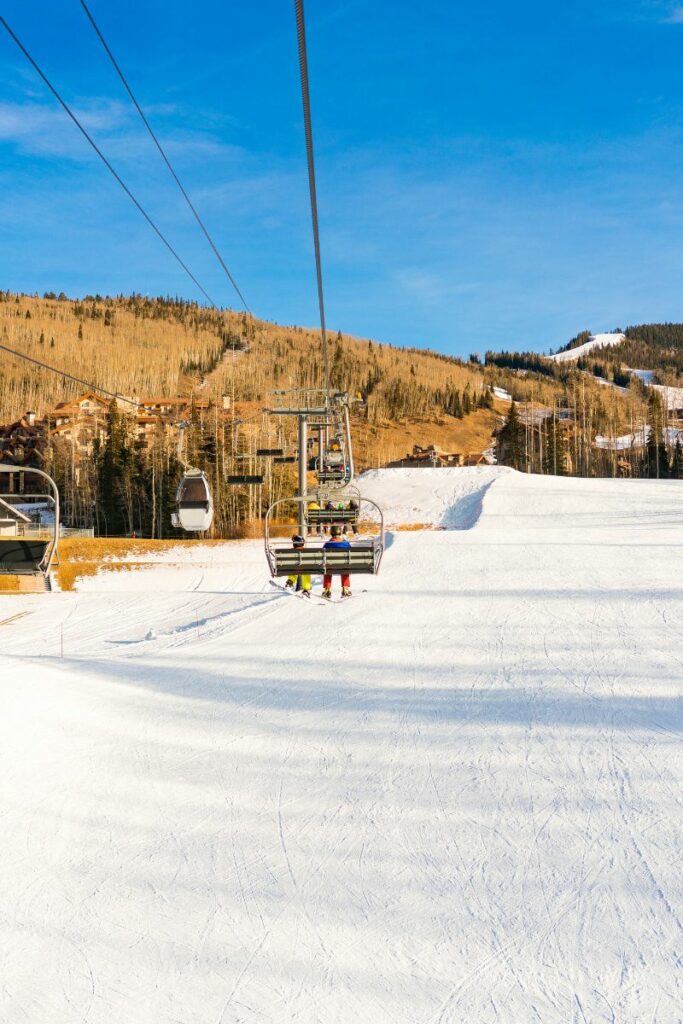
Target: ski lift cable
305	96
69	376
106	162
164	156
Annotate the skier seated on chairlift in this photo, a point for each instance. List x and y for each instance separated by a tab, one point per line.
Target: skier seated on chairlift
341	507
329	507
313	506
337	542
353	507
303	582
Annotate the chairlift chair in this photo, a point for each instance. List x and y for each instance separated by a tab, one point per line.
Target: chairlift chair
323	516
326	516
363	556
26	553
238	479
193	503
333	475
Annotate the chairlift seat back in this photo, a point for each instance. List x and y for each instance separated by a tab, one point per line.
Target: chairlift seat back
325	475
363	558
245	478
319	516
19	556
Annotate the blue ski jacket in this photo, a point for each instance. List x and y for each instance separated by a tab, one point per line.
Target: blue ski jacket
336	544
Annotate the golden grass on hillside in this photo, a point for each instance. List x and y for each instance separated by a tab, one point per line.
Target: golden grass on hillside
85	556
413	527
21	584
148	348
120	351
375	446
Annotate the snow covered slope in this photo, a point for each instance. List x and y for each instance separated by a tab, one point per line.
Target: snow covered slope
596	341
450	498
672	397
456	797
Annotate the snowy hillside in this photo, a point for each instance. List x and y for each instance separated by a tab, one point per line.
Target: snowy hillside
638	439
455	797
596	341
430	497
671	397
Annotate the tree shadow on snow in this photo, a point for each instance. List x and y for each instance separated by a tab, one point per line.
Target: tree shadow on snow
539	695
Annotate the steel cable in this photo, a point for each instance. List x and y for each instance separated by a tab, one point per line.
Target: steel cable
305	96
164	156
68	376
103	158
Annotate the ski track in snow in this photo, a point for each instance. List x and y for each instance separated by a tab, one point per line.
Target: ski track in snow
456	797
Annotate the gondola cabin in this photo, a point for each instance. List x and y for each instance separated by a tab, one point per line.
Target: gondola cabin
194	504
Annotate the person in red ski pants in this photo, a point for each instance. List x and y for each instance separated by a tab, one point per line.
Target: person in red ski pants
337	543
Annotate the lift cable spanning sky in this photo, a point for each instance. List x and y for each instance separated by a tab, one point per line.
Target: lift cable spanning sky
106	162
68	376
165	157
308	129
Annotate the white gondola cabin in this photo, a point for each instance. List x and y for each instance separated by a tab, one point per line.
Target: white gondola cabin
194	504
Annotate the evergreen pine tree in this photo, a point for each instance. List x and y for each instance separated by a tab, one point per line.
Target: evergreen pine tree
510	444
656	458
115	477
676	471
554	450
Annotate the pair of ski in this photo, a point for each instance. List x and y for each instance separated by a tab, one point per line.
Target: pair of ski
317	598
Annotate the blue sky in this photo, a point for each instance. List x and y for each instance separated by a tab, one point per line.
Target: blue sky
490	175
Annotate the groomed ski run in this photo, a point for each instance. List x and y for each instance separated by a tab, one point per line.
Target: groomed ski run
456	799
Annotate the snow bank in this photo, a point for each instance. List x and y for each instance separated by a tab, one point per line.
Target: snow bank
450	498
596	341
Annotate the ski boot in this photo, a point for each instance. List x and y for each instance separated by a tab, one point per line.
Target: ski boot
346	592
327	593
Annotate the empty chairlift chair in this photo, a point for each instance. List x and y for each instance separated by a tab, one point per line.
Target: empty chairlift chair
329	475
194	504
26	548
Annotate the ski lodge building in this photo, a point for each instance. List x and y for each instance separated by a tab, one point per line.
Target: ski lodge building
433	457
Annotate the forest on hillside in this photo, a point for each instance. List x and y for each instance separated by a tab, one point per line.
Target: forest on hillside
140	346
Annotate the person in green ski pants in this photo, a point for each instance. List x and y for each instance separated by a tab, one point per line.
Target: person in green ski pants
303	582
